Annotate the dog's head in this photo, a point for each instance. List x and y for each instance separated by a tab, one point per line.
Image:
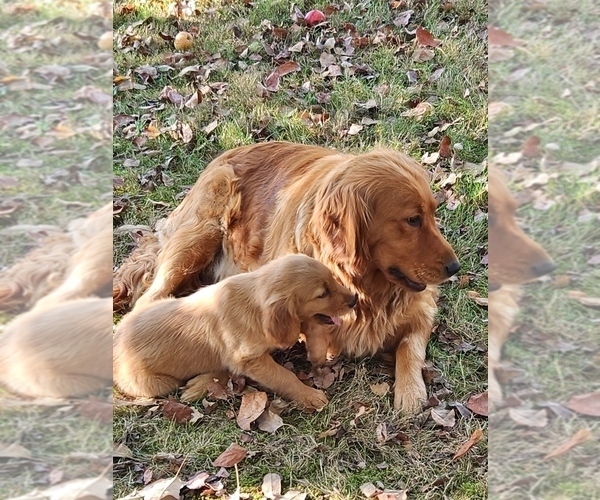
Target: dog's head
298	288
514	258
377	214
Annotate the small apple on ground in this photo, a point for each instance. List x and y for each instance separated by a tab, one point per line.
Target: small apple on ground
183	41
313	17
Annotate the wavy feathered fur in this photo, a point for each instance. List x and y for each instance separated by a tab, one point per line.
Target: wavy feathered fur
369	218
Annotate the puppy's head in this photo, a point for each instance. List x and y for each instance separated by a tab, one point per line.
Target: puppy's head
514	258
377	214
298	288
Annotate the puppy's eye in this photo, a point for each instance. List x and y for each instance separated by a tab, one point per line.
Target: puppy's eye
325	293
415	221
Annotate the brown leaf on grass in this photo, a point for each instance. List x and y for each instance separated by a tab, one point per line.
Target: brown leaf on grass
419	111
403	18
14	450
94	95
581	436
445	151
233	455
586	404
163	489
269	421
287	68
421	54
528	417
271	486
272	82
478	403
95	488
392	495
369	490
380	389
472	441
354	129
173	410
7	181
500	37
531	147
497	108
171	95
426	39
443	417
97	410
252	407
480	301
323	378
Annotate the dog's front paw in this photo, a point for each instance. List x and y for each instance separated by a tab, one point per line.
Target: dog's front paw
410	398
313	399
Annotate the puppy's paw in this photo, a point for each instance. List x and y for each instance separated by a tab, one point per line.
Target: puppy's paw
313	399
410	398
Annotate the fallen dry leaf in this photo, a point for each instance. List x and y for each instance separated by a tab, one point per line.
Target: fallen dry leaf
173	410
380	389
528	417
443	417
420	110
445	151
269	421
426	39
253	405
369	490
499	37
472	441
586	404
271	486
163	489
14	450
233	455
581	436
497	108
531	147
478	403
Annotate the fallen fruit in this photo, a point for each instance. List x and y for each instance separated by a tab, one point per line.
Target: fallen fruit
183	40
313	17
105	42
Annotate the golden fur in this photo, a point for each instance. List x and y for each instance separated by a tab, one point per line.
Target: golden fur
514	259
231	326
369	218
58	350
62	346
74	264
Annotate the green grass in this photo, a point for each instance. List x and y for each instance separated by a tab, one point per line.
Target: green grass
60	34
330	467
556	341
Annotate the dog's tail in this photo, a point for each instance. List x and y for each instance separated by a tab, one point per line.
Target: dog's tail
135	274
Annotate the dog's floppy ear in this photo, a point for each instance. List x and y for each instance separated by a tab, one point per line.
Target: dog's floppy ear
341	217
281	324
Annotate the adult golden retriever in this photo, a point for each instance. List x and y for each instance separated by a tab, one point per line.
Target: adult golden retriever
514	259
73	264
369	218
231	326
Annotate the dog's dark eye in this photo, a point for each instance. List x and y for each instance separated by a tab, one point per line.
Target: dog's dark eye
325	293
415	221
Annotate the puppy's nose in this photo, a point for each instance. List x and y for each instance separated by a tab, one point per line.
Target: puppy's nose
353	301
453	268
542	268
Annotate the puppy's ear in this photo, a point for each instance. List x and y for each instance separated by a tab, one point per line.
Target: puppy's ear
281	324
341	218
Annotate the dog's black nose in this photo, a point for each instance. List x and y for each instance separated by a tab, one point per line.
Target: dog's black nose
542	268
453	268
354	300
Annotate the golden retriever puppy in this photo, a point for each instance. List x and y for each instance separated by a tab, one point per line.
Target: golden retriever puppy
231	326
58	350
69	265
369	218
514	259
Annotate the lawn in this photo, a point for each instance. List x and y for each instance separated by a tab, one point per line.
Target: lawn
546	79
55	151
357	81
